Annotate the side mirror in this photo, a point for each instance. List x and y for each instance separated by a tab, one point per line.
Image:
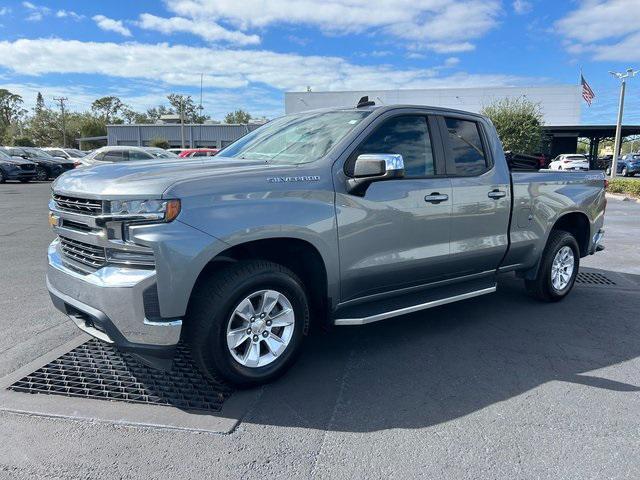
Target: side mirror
375	167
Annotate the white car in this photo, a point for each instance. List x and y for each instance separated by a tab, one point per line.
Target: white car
569	162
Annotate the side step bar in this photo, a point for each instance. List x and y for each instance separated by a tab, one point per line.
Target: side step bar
413	308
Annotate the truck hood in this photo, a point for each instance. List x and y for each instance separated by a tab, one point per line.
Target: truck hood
147	178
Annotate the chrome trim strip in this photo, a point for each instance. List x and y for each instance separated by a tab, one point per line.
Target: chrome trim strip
413	308
171	323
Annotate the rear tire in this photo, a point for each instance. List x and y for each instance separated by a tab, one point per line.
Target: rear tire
558	268
223	306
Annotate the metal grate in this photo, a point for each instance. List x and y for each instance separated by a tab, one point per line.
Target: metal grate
83	252
98	370
84	206
592	278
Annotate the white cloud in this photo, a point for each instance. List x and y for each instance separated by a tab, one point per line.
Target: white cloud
69	14
180	65
451	61
441	25
522	7
111	25
5	11
36	12
203	28
608	29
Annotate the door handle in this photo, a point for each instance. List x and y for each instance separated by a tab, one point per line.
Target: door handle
495	194
436	197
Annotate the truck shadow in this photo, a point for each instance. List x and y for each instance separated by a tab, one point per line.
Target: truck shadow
441	364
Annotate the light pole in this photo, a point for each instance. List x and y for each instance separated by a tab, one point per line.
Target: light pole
623	85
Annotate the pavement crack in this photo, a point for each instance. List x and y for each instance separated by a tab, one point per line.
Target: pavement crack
338	403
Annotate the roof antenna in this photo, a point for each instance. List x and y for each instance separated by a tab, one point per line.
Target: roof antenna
365	102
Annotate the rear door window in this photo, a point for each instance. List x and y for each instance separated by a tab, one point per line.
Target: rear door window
466	148
113	156
138	155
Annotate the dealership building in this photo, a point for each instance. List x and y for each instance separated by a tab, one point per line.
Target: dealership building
215	135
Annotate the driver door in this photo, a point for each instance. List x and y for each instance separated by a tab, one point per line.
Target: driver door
394	236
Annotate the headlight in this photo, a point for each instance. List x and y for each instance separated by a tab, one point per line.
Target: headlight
144	210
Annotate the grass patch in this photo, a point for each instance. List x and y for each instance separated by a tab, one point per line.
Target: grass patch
625	186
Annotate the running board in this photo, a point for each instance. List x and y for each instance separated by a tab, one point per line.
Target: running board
363	320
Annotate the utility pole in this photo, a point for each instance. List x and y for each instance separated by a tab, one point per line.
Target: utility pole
623	85
61	101
182	121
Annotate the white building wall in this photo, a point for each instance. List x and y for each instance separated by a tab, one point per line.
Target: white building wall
560	104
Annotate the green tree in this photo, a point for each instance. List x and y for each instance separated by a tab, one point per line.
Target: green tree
40	105
108	108
190	110
11	114
518	122
239	116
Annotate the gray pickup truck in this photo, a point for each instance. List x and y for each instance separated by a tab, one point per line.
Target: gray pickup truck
332	217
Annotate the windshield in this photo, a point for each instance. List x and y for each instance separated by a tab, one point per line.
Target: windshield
36	152
75	153
576	157
295	139
4	155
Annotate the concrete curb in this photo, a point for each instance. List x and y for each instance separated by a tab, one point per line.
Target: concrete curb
624	198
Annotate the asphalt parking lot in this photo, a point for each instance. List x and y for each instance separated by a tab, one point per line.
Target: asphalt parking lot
498	387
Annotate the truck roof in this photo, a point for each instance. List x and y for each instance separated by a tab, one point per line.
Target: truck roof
384	108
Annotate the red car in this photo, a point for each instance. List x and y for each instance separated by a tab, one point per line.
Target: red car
199	152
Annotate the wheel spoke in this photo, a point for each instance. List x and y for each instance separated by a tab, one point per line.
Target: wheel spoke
245	310
252	355
275	344
237	337
283	318
269	300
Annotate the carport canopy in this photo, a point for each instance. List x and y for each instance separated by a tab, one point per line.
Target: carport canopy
564	139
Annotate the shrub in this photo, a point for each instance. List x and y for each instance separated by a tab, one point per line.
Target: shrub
24	142
159	143
624	185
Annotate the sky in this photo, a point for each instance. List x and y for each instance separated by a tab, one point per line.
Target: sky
249	52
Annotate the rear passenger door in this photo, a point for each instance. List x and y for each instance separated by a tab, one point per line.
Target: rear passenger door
481	201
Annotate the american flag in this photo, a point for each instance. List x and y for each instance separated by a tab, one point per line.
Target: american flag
587	93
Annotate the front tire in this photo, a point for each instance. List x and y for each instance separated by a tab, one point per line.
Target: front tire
247	321
558	268
41	174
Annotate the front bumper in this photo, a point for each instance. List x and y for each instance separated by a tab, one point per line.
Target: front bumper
109	305
19	174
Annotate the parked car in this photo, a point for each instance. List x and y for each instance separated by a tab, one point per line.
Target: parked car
199	152
627	166
330	217
72	154
116	154
48	166
16	168
573	161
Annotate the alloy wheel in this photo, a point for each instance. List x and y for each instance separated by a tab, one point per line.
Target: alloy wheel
562	268
260	328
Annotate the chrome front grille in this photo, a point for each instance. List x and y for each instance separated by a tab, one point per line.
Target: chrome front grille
83	252
84	206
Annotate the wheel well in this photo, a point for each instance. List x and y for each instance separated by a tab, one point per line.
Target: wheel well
577	224
299	256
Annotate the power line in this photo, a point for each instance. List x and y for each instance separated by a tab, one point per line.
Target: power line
61	101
